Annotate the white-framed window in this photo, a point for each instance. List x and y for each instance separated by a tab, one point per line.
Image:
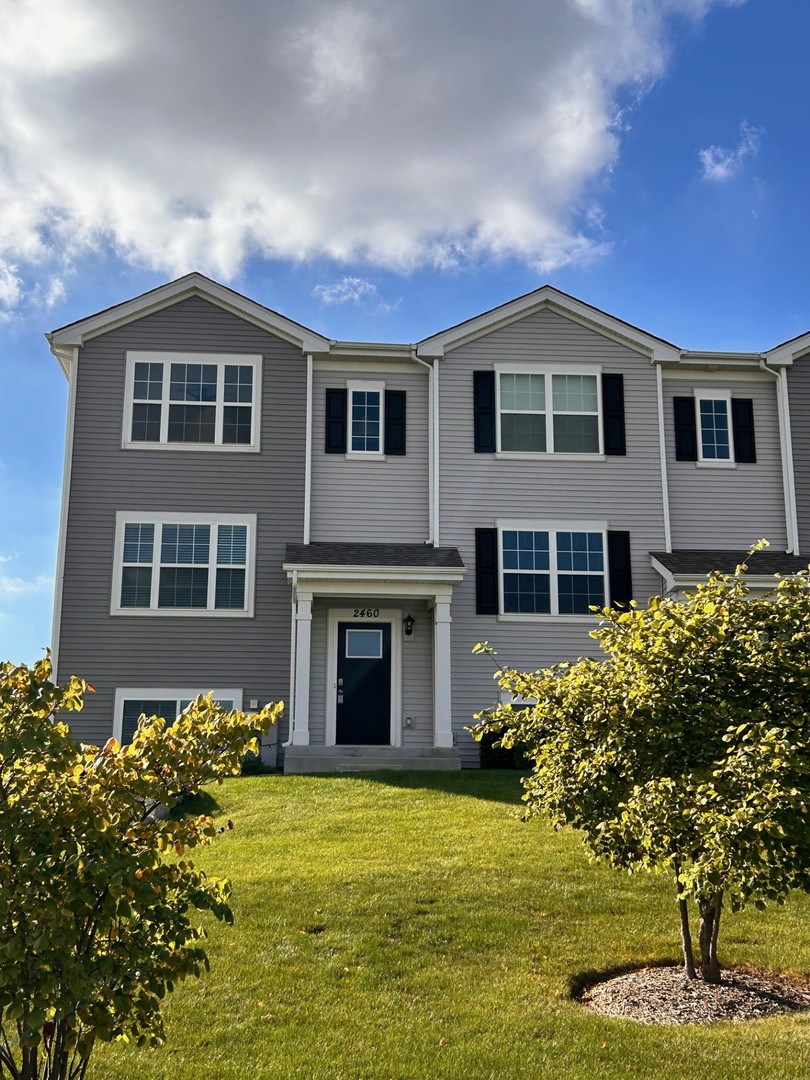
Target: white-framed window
192	401
552	568
543	410
183	564
132	703
366	419
715	444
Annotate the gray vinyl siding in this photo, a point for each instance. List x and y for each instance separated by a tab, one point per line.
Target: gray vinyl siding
417	669
798	377
717	507
154	651
478	489
367	500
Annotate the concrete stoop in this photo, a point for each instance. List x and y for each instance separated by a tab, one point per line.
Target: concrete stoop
338	759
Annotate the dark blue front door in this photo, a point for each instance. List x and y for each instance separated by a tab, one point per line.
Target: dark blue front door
363	712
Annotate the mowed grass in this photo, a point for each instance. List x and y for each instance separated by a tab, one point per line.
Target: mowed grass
411	926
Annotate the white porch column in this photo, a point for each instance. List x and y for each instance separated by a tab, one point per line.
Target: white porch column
303	634
442	698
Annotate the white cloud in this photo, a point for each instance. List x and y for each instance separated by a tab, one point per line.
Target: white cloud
354	290
13	586
188	136
720	164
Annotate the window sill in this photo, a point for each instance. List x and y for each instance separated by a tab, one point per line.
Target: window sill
183	613
210	448
583	620
362	455
520	455
716	464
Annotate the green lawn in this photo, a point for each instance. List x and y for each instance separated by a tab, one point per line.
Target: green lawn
411	926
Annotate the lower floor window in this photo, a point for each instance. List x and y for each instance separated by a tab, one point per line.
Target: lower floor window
131	705
183	563
552	572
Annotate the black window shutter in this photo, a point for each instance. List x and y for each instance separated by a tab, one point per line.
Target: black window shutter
621	580
613	414
395	422
486	571
685	429
484	411
742	422
336	421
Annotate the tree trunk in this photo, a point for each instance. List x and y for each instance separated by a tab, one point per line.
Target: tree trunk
709	929
686	936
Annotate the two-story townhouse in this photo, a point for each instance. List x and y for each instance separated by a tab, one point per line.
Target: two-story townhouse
252	508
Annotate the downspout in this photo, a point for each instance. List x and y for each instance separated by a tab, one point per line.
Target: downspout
293	645
662	449
786	450
70	369
433	448
308	455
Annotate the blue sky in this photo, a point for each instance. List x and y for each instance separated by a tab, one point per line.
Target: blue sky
379	172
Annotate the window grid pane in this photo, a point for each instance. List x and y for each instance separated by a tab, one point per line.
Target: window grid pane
136	586
574	393
133	709
192	423
185	544
578	592
148	385
237	424
139	541
239	383
229	591
145	423
183	587
193	382
366	421
714	431
232	544
528	594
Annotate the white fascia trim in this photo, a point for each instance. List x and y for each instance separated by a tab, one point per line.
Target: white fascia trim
67	466
709	361
373	574
432	591
191	285
697	376
788	352
138	693
548	298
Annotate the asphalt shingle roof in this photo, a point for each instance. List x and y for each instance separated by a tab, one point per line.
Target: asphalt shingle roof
703	561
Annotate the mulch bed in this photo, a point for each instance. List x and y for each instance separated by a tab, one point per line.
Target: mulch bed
663	995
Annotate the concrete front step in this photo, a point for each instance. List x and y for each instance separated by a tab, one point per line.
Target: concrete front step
334	759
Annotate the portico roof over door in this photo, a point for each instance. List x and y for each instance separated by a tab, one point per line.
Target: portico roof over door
385	571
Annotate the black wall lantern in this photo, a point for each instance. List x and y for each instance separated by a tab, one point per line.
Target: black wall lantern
408	623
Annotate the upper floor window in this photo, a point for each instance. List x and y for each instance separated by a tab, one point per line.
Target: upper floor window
552	572
539	409
183	564
715	430
192	400
548	413
364	420
713	427
366	417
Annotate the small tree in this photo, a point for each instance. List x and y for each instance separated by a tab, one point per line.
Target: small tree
95	921
687	749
